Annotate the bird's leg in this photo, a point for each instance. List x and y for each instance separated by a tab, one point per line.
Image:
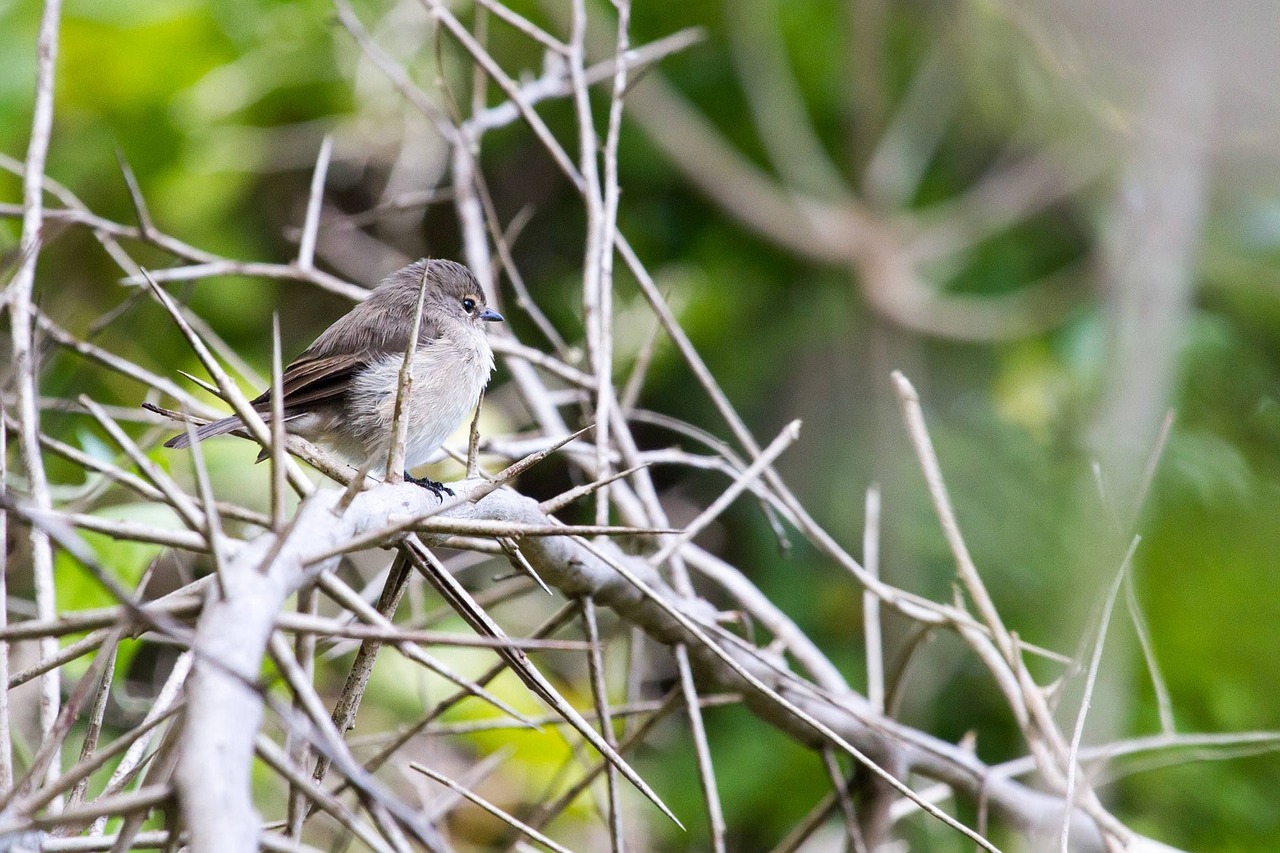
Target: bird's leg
437	489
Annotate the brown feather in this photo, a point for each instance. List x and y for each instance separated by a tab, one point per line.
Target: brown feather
377	327
320	379
311	383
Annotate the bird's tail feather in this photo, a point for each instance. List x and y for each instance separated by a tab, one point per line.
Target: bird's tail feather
218	427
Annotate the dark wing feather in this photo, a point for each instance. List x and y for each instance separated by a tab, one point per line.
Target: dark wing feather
315	382
320	377
375	328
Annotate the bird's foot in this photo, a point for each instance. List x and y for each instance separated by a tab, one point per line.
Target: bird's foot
437	489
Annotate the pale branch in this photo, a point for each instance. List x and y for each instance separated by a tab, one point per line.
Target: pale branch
21	310
224	713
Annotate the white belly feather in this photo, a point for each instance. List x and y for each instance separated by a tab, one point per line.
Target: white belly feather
448	376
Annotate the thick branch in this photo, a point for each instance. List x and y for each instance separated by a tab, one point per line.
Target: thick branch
225	713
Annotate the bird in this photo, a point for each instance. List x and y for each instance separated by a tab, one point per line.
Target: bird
340	393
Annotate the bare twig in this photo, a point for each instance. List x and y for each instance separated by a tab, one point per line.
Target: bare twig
6	744
228	389
165	700
489	807
278	469
599	691
841	786
311	227
789	434
871	604
23	354
344	713
1095	661
404	390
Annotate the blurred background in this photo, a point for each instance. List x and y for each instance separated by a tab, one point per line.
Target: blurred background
1060	220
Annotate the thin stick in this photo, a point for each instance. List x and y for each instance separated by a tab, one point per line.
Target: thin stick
512	90
166	699
965	568
702	750
348	597
789	434
605	394
524	25
88	766
94	729
78	649
117	363
152	840
134	531
913	607
841	788
593	263
6	744
311	226
348	704
279	761
143	799
461	600
545	813
23	355
1164	705
809	824
174	495
512	549
228	390
630	396
871	602
51	747
251	269
213	523
595	668
555	83
559	502
442	807
1003	654
550	626
304	649
1095	662
628	712
278	467
311	625
385	810
473	441
489	807
404	388
135	194
479	92
204	263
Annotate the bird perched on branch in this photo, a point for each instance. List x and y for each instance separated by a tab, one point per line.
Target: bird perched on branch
341	392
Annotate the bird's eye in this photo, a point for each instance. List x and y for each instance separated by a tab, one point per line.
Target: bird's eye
468	305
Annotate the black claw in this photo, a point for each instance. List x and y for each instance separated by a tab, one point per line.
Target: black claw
437	489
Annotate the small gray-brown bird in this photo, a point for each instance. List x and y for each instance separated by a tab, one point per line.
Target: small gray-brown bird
341	392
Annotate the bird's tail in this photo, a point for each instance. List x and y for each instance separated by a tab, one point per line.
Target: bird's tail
218	427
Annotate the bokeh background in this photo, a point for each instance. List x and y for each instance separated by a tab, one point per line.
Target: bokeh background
1075	228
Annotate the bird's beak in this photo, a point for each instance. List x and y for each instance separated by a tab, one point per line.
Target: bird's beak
491	315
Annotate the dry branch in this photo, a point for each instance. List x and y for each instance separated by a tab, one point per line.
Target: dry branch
223	709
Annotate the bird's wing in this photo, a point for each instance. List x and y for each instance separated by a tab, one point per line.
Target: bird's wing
314	382
378	327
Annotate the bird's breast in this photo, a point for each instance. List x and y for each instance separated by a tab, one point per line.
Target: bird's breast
448	376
